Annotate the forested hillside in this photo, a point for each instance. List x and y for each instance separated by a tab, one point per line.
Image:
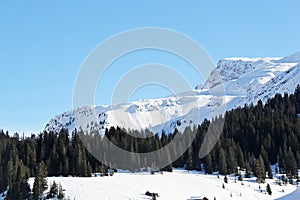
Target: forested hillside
253	138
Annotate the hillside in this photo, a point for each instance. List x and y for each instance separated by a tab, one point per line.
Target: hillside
179	184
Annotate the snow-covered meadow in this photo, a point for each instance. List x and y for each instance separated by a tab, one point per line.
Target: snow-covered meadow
180	184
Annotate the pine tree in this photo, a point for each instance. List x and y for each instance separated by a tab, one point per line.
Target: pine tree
248	170
24	189
9	173
231	161
222	162
103	170
133	157
225	179
264	155
208	164
269	191
53	191
240	158
291	165
260	170
189	159
168	168
282	163
40	182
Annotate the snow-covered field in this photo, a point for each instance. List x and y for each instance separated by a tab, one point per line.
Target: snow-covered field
180	184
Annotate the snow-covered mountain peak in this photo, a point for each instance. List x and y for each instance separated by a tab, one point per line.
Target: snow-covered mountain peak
246	80
244	71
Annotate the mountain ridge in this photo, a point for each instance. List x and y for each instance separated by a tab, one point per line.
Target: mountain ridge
245	80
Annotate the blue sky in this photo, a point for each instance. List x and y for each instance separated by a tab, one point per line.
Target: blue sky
42	45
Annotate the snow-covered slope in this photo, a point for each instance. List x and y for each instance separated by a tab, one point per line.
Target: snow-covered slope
246	80
255	79
294	58
179	184
293	195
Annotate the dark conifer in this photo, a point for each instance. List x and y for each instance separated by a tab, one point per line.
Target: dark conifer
40	182
269	191
222	162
